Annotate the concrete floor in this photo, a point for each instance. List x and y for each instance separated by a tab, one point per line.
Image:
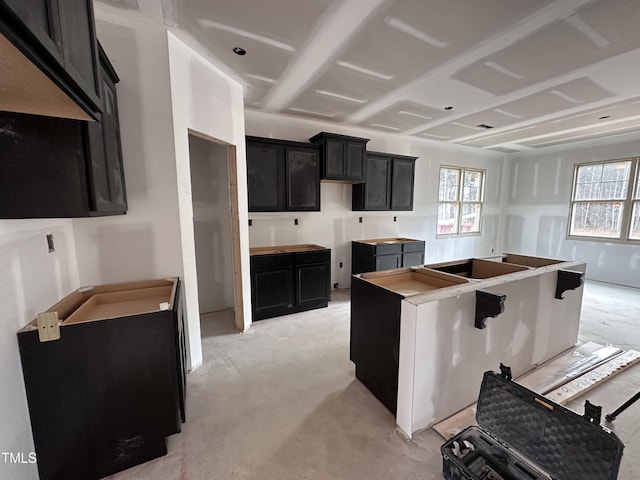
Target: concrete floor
281	401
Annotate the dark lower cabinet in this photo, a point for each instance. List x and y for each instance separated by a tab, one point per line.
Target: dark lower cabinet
388	185
282	175
375	339
286	282
385	254
104	396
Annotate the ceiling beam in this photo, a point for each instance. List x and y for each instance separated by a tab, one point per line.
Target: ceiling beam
334	31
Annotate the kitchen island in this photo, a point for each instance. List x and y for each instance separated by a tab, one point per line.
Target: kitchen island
432	345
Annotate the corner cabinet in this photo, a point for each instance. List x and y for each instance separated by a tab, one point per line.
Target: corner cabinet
58	37
282	176
343	157
388	185
289	279
107	392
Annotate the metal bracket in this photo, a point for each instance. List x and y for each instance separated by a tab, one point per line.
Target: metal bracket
48	326
488	305
568	280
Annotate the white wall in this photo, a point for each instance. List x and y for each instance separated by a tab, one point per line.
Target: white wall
537	212
206	101
211	224
335	226
31	280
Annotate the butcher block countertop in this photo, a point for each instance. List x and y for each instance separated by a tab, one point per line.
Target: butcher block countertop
305	247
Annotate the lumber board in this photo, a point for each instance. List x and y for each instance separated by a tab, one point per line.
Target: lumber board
549	376
584	383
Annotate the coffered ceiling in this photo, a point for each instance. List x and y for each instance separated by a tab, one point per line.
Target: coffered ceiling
504	75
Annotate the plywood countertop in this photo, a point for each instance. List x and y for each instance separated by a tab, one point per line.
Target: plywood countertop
387	241
306	247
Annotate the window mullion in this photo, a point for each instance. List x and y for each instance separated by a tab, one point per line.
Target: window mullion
628	202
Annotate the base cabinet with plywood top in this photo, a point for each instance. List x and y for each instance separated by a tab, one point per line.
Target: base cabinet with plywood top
104	373
373	255
289	278
418	345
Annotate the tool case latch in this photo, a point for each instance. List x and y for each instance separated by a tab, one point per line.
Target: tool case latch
592	412
505	372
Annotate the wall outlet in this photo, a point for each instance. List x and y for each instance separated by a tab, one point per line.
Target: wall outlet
335	285
50	245
340	264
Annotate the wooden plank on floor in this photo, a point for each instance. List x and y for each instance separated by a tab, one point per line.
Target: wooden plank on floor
557	371
584	383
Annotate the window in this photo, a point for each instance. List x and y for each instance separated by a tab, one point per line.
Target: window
460	200
606	200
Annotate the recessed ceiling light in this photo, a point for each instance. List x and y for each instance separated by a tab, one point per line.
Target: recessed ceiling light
484	125
205	23
449	107
239	51
341	97
365	71
503	70
399	25
604	116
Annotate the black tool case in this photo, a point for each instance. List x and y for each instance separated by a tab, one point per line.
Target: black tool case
524	436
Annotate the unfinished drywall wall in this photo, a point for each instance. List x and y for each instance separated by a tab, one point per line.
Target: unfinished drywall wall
335	226
209	104
536	213
144	243
31	280
211	224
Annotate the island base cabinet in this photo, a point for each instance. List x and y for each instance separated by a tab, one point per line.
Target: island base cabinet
106	394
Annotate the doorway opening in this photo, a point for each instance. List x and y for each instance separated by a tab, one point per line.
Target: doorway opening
216	226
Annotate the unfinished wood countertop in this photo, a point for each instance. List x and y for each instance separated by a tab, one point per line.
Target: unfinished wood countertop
387	241
305	247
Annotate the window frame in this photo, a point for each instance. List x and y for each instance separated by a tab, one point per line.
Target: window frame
460	202
633	186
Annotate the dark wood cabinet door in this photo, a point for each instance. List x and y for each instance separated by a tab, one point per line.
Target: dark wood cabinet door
377	185
272	292
355	164
387	262
411	259
312	283
302	178
79	44
41	18
402	184
265	177
334	160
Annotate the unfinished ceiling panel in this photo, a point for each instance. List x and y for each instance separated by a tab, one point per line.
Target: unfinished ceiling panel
264	30
581	91
450	131
403	116
593	33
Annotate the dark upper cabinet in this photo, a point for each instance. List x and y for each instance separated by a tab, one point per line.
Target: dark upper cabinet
302	178
402	174
282	175
388	183
265	176
58	36
57	167
343	157
106	172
